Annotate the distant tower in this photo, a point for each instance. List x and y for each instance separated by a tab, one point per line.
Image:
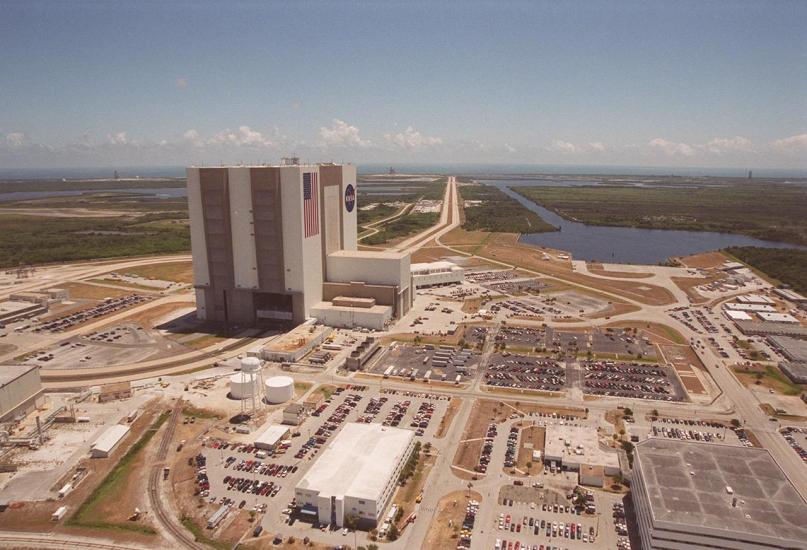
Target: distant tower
391	171
251	378
116	174
750	174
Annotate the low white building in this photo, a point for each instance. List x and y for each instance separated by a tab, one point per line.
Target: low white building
270	437
436	273
778	317
356	475
108	440
737	315
20	391
577	448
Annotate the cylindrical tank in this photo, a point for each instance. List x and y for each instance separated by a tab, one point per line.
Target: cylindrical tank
279	389
242	385
250	364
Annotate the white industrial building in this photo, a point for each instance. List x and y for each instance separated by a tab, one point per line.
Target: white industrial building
749	307
108	440
20	391
578	449
279	389
278	244
436	273
733	315
693	495
271	436
355	475
776	317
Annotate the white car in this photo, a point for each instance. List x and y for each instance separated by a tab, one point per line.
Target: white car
344	532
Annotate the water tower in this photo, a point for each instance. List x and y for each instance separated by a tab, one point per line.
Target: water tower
247	385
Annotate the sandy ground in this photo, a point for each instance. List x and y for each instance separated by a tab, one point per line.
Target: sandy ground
450	513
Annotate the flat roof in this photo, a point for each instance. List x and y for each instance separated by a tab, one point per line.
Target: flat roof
111	436
9	373
271	435
427	266
369	254
584	446
686	484
777	317
358	462
13	306
738	315
794	347
298	337
378	309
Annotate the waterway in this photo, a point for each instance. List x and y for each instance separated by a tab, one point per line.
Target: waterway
159	192
627	245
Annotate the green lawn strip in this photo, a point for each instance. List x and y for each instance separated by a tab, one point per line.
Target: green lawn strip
111	485
199	534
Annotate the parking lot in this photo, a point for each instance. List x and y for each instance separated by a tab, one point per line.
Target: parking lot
232	468
636	380
427	362
523	371
534	517
110	305
796	437
516	286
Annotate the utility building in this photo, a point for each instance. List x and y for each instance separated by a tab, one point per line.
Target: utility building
270	243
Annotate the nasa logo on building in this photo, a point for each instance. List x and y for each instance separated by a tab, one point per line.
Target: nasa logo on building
350	197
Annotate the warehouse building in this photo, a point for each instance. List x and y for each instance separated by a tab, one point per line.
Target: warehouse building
12	311
108	440
356	475
436	274
693	495
20	391
278	244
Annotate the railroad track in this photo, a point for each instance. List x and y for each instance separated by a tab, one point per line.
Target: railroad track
21	541
165	519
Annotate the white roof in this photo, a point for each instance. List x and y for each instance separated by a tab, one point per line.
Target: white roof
754	299
271	435
111	437
778	317
359	461
750	307
441	265
738	315
582	438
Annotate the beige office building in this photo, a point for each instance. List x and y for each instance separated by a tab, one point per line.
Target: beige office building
273	243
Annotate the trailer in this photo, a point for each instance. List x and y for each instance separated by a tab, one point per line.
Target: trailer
59	513
427	376
219	515
457	380
388	371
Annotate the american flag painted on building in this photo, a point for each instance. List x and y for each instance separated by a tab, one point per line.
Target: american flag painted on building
311	203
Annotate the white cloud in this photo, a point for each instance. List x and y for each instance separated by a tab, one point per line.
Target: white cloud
192	136
509	148
563	146
596	146
672	148
181	83
792	144
15	139
342	134
411	139
119	138
244	136
720	146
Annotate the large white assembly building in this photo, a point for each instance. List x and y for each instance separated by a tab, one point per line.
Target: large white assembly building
278	243
356	475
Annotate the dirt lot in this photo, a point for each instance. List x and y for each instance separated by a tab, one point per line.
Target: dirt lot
178	272
706	260
599	269
532	439
656	332
405	496
685	360
688	284
450	513
148	317
82	291
445	422
504	247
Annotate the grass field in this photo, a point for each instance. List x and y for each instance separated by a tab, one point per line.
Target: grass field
38	239
403	227
179	272
772	210
498	212
88	515
381	211
786	265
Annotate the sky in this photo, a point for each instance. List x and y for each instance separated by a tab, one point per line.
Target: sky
645	83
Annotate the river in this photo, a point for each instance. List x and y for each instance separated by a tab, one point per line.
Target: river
627	245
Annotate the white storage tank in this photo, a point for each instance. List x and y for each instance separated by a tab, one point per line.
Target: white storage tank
279	389
243	385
